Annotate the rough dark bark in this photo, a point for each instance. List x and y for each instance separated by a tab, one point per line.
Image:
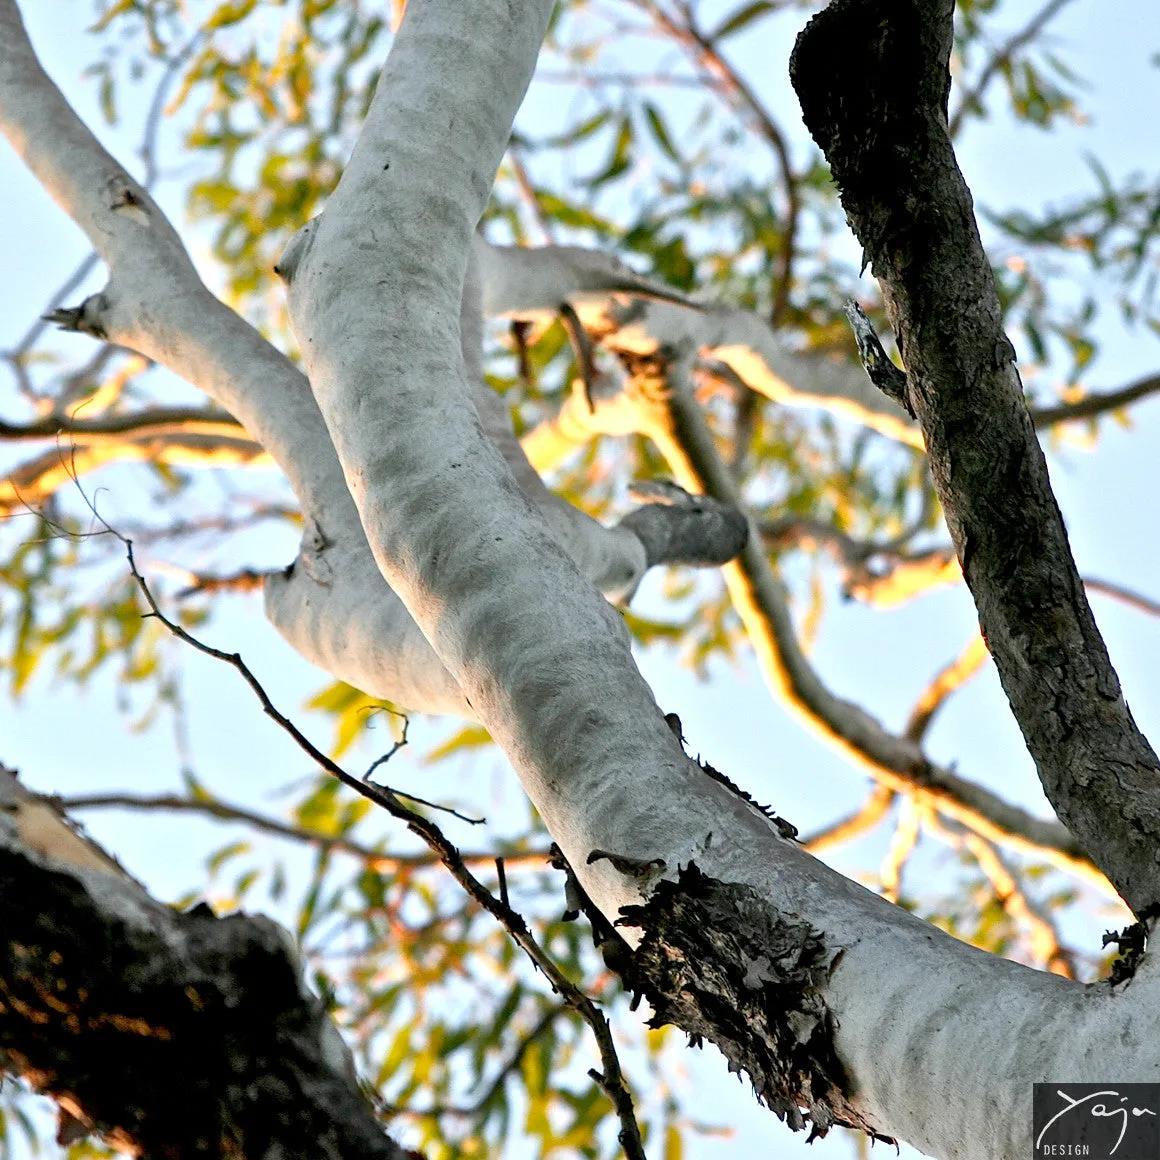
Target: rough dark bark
183	1036
873	82
719	962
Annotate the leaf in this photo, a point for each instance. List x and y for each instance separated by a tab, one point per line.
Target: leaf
469	737
660	132
741	18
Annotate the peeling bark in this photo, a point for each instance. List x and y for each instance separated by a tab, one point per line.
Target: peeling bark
719	962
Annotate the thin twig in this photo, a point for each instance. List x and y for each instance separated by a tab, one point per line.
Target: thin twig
864	818
226	812
1095	404
949	679
581	351
1125	595
502	873
902	845
612	1079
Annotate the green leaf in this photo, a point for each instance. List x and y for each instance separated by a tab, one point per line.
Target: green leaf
740	19
660	132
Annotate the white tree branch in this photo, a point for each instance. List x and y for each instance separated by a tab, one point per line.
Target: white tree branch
331	605
640	316
374	295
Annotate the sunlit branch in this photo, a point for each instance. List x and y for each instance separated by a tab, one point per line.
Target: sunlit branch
674	421
884	576
1095	404
949	679
38	479
657	403
149	421
902	845
861	821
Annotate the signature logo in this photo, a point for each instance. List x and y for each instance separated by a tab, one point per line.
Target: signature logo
1097	1121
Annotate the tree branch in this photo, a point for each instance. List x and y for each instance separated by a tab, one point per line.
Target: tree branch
376	859
37	479
527	283
149	422
862	820
947	681
873	86
673	420
219	1045
1098	403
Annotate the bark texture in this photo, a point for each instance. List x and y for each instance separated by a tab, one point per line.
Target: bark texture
717	961
171	1035
873	82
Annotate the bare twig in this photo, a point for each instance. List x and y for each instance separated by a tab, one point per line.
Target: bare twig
864	818
1125	595
225	812
1095	404
612	1079
902	845
581	351
149	422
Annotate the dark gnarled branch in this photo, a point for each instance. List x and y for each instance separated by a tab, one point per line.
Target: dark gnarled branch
873	81
169	1034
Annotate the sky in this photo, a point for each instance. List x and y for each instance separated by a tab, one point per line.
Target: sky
70	741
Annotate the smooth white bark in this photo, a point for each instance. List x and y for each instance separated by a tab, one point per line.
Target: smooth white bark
332	606
374	297
521	282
